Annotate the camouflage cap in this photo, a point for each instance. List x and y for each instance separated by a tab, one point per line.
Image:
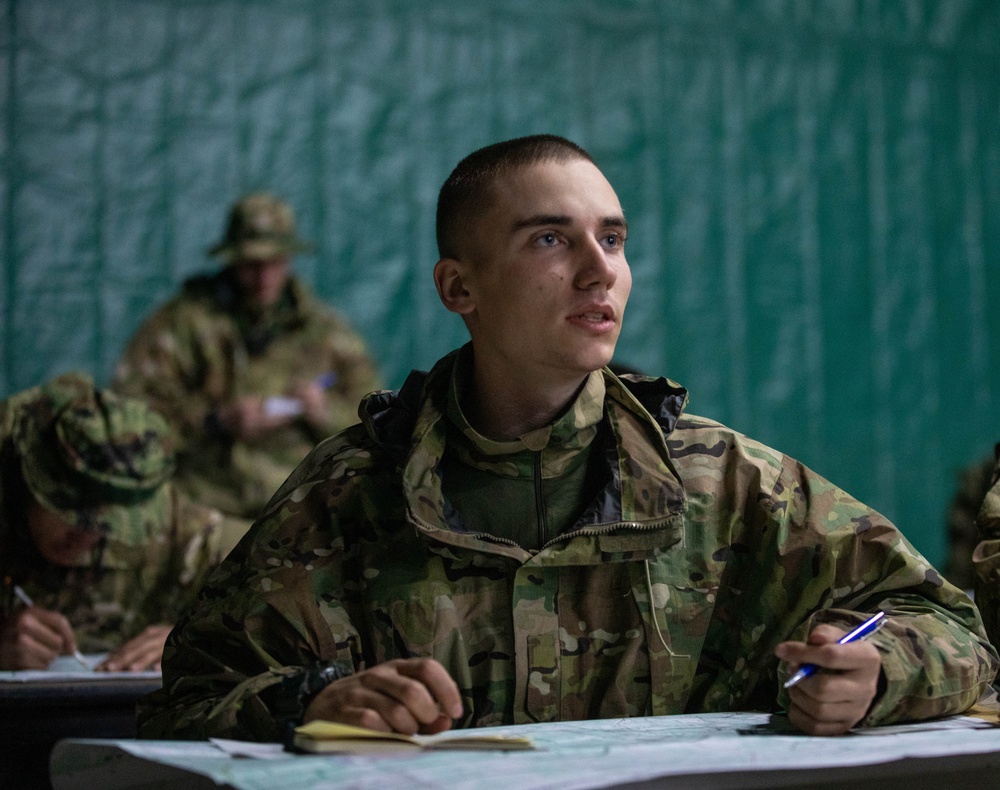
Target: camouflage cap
260	227
98	459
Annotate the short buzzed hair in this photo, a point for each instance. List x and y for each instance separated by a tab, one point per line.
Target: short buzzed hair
467	192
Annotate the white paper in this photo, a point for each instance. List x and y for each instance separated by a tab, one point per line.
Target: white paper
572	756
278	406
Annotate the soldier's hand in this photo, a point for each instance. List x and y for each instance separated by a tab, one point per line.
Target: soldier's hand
33	637
315	406
245	418
407	695
139	653
837	697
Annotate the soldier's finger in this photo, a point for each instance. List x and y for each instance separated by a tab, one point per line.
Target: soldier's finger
437	681
379	712
32	654
137	654
47	628
808	723
400	690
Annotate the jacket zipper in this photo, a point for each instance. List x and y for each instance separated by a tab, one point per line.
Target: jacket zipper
541	517
590	530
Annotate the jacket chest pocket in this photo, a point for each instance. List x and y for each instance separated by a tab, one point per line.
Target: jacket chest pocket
581	644
676	613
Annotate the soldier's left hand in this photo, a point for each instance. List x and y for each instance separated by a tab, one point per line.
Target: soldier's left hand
315	407
139	653
834	699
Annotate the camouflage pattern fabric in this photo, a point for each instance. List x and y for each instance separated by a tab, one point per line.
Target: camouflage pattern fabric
192	355
97	459
986	558
154	553
668	595
973	483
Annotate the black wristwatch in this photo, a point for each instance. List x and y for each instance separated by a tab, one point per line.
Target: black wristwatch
293	695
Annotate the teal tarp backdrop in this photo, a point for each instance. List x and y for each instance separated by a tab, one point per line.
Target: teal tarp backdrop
813	190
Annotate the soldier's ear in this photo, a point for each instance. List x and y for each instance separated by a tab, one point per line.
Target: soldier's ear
451	280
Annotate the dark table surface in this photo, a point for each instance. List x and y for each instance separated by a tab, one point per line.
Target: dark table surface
34	715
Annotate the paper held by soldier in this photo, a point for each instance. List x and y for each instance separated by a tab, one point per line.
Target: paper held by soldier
330	737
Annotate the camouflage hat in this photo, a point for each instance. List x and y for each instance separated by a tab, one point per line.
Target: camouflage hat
260	227
98	459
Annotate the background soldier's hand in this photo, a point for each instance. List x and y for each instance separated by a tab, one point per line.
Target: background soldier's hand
407	695
139	653
837	697
33	637
245	418
315	406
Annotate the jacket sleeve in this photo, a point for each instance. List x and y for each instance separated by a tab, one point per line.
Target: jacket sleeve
176	364
839	562
198	539
272	608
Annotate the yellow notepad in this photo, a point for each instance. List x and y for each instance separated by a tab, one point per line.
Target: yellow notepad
330	737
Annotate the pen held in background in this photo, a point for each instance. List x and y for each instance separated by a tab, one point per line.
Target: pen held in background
863	631
24	598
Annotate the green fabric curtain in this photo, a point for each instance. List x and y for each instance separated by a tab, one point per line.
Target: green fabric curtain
813	190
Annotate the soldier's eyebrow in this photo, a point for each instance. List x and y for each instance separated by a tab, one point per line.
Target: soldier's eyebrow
542	219
536	220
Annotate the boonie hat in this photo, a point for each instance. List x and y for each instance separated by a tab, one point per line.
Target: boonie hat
98	459
260	227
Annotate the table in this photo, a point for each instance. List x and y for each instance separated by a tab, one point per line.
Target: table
698	751
36	713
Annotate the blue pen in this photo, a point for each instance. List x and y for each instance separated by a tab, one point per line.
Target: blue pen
863	631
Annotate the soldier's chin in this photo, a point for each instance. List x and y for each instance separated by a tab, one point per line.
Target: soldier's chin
67	557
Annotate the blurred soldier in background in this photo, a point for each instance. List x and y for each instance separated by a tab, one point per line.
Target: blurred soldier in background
247	366
973	483
98	551
986	558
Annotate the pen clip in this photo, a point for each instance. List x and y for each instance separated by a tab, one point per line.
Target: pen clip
865	630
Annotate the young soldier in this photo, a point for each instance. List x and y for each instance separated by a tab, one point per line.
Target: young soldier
248	367
520	535
97	549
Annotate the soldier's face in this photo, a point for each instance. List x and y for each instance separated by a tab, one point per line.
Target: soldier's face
59	542
261	283
548	278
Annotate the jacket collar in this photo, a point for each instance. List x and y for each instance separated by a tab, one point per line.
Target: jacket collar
638	513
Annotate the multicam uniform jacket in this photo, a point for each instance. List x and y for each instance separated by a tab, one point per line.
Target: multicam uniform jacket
704	551
124	586
199	351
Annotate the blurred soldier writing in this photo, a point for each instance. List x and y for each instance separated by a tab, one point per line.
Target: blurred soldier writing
249	368
98	551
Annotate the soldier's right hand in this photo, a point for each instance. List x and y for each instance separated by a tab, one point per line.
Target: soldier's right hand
33	637
407	695
246	418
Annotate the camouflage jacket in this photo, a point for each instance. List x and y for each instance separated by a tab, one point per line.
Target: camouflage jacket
986	559
973	483
123	587
704	550
191	356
